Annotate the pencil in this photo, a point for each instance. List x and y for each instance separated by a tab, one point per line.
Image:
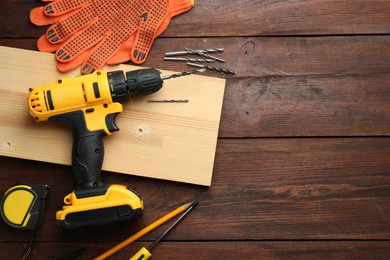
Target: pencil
144	231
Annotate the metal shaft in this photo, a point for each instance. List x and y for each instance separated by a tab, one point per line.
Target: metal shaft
189	59
168	101
176	53
193	205
190	51
182	74
229	71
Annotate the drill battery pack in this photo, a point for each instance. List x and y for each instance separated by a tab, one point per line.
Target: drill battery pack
118	203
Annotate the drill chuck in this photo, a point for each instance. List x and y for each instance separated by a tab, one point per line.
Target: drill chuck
123	86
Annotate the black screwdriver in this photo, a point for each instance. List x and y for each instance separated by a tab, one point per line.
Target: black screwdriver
144	253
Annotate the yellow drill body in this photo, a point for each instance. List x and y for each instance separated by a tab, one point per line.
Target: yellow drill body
86	93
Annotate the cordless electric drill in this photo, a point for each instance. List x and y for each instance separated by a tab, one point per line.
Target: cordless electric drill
90	104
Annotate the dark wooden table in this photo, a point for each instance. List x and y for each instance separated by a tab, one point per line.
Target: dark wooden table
302	167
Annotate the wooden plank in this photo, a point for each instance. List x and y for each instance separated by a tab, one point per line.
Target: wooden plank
168	141
214	250
276	106
263	189
243	18
249	18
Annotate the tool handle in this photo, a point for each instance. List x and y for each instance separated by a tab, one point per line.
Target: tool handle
142	254
87	154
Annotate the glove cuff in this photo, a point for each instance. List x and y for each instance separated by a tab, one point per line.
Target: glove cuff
180	6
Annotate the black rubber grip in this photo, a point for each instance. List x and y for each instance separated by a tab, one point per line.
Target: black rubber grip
87	154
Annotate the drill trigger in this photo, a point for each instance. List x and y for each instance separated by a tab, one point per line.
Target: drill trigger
110	122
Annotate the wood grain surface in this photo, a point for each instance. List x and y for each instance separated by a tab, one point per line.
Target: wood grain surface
302	161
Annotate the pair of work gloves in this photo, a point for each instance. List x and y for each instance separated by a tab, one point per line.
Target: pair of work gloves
92	33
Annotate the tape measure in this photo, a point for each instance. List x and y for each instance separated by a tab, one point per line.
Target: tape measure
22	206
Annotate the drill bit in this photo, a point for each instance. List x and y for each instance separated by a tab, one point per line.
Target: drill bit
191	51
182	74
229	71
176	53
190	59
168	101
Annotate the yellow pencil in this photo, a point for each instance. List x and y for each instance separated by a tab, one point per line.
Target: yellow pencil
144	231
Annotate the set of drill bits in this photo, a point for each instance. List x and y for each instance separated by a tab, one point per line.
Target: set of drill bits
207	56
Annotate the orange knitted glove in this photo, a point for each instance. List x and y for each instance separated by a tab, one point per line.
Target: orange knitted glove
92	33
